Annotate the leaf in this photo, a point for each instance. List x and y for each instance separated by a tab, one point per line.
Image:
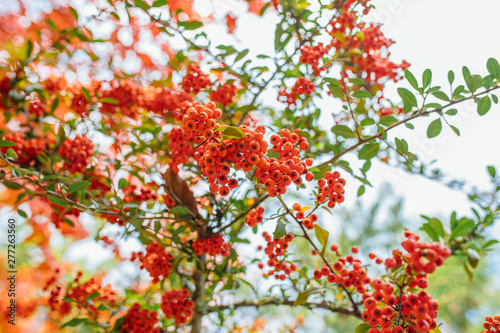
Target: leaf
56	200
74	13
456	130
343	131
451	77
483	105
11	154
4	143
357	81
81	185
426	78
492	171
179	210
92	296
141	4
159	3
409	99
493	67
55	103
361	190
280	230
411	79
362	328
361	94
241	55
75	322
12	185
303	296
232	132
86	94
474	82
434	128
22	213
109	100
465	72
369	151
462	227
336	91
387	121
122	183
473	257
451	112
304	134
322	236
441	95
29	50
191	25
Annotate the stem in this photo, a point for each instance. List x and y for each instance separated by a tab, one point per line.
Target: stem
199	278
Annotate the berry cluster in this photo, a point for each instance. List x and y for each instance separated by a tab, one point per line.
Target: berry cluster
82	291
76	152
331	187
224	94
302	87
212	246
140	321
131	195
200	122
216	159
492	324
307	221
27	150
254	216
277	174
179	147
312	56
122	97
195	80
275	250
176	304
418	311
36	108
156	261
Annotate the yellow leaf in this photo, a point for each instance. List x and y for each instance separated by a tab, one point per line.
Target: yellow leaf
303	209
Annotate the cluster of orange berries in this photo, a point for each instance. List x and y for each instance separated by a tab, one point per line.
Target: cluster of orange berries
156	261
277	174
59	213
145	195
212	246
307	221
312	56
177	304
36	108
224	94
124	95
275	250
55	302
76	152
302	87
331	188
27	150
492	324
200	122
179	147
82	291
140	320
216	159
195	80
254	216
418	311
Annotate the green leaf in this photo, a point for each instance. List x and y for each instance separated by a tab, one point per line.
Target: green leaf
362	328
344	131
74	13
55	103
179	210
57	200
474	82
361	94
493	67
462	227
29	50
92	296
451	112
233	132
451	77
473	257
141	4
159	3
280	230
426	78
441	95
22	213
11	154
109	100
361	190
191	25
322	236
410	126
336	91
357	81
369	151
81	185
409	99
241	55
387	121
434	128
411	79
304	134
122	183
483	105
465	72
86	94
4	143
456	130
492	171
75	322
12	185
303	296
